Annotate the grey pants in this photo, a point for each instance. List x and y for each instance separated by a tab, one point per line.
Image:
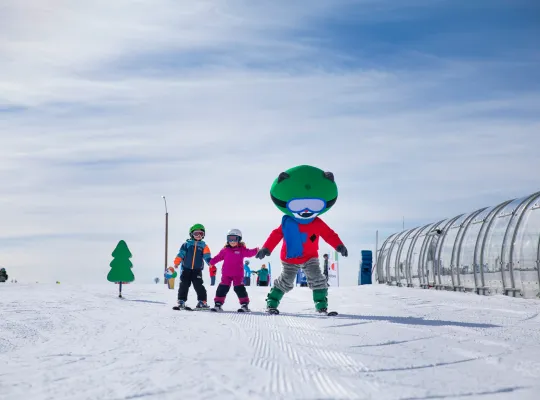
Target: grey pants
312	268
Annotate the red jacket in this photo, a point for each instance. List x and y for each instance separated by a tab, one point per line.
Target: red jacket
311	245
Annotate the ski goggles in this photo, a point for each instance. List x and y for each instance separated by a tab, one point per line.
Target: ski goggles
197	233
233	238
311	204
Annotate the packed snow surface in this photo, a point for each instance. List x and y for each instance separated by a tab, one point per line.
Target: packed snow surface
83	342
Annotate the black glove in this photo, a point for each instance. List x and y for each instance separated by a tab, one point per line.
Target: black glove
343	250
263	252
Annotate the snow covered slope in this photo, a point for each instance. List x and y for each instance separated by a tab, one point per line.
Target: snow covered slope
82	342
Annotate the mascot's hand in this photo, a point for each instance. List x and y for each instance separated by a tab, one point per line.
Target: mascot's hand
343	250
263	252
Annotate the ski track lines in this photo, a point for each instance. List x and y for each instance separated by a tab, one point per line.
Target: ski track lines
314	373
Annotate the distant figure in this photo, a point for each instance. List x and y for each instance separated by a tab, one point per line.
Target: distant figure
262	276
301	278
3	275
247	274
325	271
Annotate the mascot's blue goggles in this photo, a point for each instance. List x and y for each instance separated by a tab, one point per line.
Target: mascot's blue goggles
311	204
233	238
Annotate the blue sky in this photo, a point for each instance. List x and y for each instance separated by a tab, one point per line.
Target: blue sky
422	108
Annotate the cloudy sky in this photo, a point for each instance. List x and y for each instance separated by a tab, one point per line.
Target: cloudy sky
421	108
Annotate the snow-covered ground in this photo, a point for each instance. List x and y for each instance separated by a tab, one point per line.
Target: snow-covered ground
82	342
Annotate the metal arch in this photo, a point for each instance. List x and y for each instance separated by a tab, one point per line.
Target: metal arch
439	248
526	204
398	256
514	236
459	238
425	245
538	261
506	288
390	254
386	248
379	260
458	260
413	243
452	278
421	254
491	217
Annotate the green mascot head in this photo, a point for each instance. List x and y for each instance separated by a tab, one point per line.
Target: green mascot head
304	192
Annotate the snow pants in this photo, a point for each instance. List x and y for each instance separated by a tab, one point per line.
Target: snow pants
188	277
286	281
225	285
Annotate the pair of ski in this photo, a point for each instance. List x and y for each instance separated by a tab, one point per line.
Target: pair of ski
273	311
186	308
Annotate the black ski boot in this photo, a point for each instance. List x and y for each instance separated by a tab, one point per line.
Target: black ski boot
181	305
324	311
202	305
244	308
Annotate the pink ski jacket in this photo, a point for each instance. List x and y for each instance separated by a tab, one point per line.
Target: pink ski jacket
233	259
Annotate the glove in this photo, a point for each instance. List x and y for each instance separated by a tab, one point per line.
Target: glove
343	250
263	252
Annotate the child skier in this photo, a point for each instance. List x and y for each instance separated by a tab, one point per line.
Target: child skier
192	254
232	255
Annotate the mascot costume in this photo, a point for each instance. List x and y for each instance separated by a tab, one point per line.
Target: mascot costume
302	193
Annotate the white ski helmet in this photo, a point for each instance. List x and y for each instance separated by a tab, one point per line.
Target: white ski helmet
235	232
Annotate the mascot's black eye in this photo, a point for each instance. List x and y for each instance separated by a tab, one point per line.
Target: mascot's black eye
329	175
282	177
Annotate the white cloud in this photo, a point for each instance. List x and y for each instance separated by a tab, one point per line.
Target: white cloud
85	163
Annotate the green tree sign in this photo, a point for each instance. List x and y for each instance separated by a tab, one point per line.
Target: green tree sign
121	266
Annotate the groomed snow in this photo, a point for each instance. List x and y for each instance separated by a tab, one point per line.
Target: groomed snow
82	342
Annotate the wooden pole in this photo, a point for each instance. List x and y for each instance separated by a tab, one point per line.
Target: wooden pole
166	241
